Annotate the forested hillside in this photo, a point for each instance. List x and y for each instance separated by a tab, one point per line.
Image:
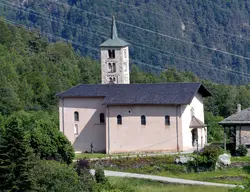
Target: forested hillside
209	38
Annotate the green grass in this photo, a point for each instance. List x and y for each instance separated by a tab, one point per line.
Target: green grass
240	159
141	185
90	155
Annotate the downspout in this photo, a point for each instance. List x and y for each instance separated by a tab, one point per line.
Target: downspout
108	132
177	128
63	115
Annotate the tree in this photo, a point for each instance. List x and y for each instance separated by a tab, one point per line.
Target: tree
44	137
16	159
53	176
215	131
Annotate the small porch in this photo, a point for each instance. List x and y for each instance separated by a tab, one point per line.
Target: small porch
199	133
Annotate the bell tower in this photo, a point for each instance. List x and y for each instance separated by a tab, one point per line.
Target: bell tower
115	59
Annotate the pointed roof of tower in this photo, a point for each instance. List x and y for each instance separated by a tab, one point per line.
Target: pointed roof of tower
114	40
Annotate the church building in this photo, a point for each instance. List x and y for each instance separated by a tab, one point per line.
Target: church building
119	117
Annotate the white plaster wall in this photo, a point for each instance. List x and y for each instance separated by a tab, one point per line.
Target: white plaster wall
89	128
131	136
197	104
121	75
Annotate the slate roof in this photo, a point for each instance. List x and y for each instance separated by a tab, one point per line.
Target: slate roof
196	123
242	117
131	94
114	40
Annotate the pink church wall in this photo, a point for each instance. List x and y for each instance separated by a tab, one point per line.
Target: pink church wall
90	130
131	136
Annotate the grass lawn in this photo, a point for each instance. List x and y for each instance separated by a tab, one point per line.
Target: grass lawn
240	159
141	185
90	155
102	155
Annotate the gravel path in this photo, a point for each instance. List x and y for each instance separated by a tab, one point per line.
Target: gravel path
163	179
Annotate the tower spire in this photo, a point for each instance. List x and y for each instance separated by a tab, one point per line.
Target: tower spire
114	34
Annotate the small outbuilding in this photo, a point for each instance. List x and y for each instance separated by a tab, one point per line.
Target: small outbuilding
238	126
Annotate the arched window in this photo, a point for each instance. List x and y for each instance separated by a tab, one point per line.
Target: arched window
167	120
119	120
76	129
76	116
114	68
102	118
143	120
109	67
111	54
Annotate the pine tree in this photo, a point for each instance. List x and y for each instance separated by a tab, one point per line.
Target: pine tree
16	159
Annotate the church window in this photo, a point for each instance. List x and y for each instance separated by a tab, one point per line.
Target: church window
119	120
76	116
143	120
114	79
111	54
102	118
114	68
167	120
110	67
76	129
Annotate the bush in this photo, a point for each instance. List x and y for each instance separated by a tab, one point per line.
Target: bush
82	169
44	137
206	160
100	176
175	168
56	177
242	150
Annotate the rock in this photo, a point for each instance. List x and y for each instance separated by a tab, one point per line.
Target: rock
183	159
223	160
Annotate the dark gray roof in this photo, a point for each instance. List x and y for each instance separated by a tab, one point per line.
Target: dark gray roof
130	94
114	40
196	123
242	117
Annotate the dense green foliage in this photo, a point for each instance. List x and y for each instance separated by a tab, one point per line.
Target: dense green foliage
55	177
219	25
205	160
42	134
242	150
33	71
16	159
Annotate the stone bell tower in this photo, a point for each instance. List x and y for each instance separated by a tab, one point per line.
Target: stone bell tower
115	59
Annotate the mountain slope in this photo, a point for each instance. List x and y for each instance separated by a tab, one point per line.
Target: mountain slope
170	33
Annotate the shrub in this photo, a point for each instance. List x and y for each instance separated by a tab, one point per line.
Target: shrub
100	176
206	160
242	150
82	169
175	168
56	177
